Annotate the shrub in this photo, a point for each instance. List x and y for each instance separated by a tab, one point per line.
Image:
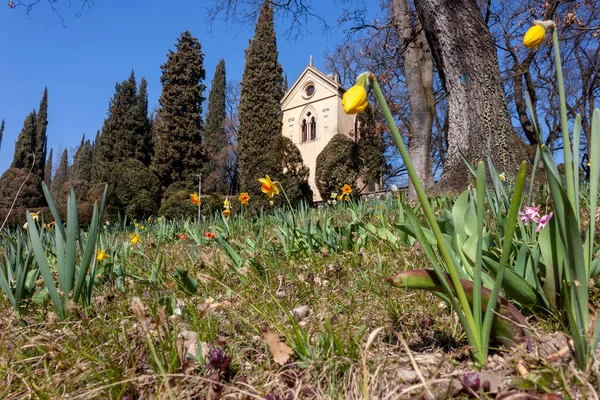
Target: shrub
134	189
178	205
31	195
337	165
81	188
295	173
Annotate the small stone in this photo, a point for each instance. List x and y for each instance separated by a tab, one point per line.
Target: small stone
408	375
300	312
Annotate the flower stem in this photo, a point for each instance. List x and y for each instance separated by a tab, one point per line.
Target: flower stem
471	330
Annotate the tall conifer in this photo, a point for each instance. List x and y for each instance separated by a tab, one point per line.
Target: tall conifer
1	132
81	170
61	176
48	169
41	139
25	145
178	145
260	110
214	131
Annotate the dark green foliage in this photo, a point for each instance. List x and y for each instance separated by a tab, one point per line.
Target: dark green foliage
82	162
214	132
370	146
48	170
81	187
1	132
295	173
126	130
41	139
337	165
60	177
134	189
178	205
178	125
31	194
260	110
25	145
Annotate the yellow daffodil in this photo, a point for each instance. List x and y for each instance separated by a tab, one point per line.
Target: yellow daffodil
101	255
226	212
346	189
340	197
502	177
35	216
378	216
268	187
355	99
226	203
25	225
135	238
346	198
536	34
589	163
195	199
244	198
272	203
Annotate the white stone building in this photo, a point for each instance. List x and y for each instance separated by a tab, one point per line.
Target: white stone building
313	114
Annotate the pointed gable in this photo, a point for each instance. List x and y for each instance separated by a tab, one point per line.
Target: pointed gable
300	92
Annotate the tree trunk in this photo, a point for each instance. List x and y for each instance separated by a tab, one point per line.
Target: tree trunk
418	71
478	115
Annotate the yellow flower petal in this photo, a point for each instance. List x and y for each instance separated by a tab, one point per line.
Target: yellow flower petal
534	36
355	99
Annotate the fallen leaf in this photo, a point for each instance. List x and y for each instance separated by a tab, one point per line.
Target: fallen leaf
189	348
280	351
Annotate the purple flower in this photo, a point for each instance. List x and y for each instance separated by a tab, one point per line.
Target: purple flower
530	213
543	221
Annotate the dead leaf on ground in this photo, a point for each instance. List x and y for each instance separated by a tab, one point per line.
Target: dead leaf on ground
188	346
280	351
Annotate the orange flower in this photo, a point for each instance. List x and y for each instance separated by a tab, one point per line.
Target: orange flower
226	212
182	236
346	189
244	198
195	199
101	255
210	235
268	187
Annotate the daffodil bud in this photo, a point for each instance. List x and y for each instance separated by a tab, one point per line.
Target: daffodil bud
355	99
536	34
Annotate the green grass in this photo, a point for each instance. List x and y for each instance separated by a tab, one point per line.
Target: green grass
338	273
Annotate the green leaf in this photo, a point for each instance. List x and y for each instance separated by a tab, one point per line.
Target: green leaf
185	282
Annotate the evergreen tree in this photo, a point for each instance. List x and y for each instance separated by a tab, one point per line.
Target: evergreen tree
61	176
370	146
143	144
178	145
285	83
48	170
25	145
214	131
1	132
81	170
125	129
41	139
260	110
295	173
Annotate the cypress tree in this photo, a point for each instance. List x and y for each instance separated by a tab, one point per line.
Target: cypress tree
61	176
214	131
25	145
1	132
178	146
142	125
124	129
48	170
81	170
41	139
260	110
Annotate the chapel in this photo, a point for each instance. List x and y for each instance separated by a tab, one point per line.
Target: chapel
312	114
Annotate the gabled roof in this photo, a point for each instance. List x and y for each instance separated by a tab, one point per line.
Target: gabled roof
321	77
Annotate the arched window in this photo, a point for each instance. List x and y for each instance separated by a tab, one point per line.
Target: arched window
313	129
304	131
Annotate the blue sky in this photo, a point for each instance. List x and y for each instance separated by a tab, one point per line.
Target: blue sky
81	63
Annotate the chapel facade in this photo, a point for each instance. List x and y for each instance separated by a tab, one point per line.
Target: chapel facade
312	115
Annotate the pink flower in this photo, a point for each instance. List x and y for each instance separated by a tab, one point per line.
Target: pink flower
543	221
530	214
